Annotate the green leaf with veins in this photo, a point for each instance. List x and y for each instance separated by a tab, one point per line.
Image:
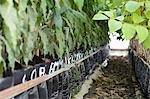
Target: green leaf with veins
9	14
79	4
142	33
44	37
128	30
137	18
146	43
109	14
114	25
120	18
132	6
100	17
147	14
43	7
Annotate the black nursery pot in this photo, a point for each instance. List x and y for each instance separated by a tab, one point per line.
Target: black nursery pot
61	86
142	72
6	83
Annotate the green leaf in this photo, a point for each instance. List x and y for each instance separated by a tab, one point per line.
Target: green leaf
149	22
29	45
2	62
22	13
114	25
1	70
44	37
32	18
128	30
132	6
100	17
9	14
34	5
66	3
43	6
146	43
79	4
116	2
80	15
118	12
109	14
11	56
142	33
120	18
147	5
23	5
147	14
137	18
58	20
61	42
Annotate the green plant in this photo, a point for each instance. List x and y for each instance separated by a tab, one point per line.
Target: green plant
132	17
53	27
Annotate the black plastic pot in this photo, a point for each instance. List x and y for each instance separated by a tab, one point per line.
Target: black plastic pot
142	71
59	87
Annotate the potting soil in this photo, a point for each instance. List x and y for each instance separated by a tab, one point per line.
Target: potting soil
117	81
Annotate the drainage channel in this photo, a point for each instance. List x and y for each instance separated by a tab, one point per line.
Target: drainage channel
116	81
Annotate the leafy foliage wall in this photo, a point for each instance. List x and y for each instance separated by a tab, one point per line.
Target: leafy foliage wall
131	18
53	27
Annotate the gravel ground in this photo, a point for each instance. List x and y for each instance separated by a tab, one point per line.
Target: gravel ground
116	82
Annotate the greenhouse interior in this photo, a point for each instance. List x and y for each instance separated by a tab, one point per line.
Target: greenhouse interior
74	49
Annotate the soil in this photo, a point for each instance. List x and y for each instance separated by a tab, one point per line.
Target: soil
117	82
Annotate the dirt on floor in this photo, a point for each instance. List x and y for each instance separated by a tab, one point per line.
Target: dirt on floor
117	82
